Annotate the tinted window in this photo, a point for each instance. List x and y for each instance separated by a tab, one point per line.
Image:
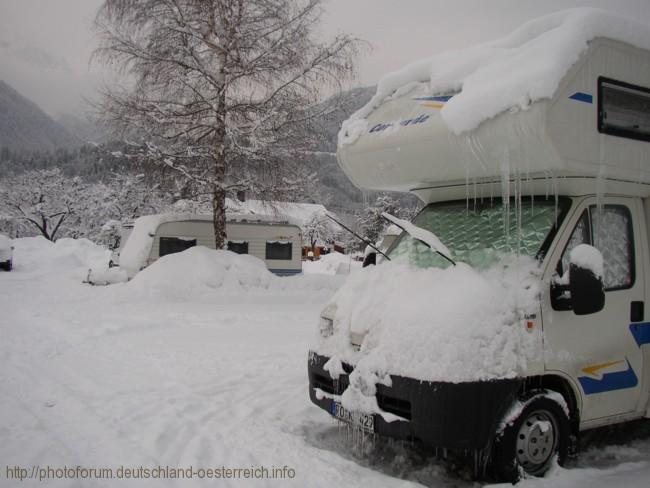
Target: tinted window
278	250
240	247
170	245
623	109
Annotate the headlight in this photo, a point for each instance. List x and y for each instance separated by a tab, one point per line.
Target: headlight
326	327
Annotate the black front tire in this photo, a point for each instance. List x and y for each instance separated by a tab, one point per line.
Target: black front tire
529	443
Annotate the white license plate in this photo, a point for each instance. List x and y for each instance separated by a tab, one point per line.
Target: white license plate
357	419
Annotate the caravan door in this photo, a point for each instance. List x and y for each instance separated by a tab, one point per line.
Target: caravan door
599	352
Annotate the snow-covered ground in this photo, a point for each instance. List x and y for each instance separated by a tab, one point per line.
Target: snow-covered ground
332	264
199	372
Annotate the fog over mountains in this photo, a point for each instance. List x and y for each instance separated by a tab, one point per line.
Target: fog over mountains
25	129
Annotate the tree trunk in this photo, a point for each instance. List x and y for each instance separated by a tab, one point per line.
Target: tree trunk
218	192
219	217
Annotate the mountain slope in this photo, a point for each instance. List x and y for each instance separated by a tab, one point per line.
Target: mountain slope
25	127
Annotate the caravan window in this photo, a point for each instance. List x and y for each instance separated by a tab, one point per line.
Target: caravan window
240	247
170	245
623	109
278	250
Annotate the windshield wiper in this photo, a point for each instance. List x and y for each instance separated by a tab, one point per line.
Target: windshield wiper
426	237
365	241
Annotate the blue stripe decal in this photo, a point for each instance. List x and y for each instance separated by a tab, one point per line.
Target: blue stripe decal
610	381
582	97
641	333
444	98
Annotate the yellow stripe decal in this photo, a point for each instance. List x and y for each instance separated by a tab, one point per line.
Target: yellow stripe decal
593	369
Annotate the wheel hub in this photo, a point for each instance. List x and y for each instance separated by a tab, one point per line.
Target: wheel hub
536	441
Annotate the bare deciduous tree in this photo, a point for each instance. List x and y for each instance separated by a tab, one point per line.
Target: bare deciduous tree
44	200
222	91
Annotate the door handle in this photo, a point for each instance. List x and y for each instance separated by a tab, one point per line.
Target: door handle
636	312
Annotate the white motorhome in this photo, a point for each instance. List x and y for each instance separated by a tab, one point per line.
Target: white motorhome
276	242
563	169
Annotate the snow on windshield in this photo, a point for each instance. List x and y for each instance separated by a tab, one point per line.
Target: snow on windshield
515	71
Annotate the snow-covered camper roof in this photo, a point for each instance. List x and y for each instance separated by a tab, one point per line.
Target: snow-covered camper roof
524	105
301	214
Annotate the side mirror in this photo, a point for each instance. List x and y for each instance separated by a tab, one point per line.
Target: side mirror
585	280
370	259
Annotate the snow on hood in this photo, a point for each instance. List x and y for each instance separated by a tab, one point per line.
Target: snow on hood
491	78
454	324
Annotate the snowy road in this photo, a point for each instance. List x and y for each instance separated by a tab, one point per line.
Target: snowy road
103	377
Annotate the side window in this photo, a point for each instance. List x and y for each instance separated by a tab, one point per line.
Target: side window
608	229
581	235
171	245
278	250
612	236
240	247
623	109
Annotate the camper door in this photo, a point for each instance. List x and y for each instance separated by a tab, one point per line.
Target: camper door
599	352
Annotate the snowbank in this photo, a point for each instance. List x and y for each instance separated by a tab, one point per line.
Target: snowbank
104	277
455	324
490	78
199	272
5	242
65	253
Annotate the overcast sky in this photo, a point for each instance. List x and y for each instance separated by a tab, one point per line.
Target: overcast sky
45	44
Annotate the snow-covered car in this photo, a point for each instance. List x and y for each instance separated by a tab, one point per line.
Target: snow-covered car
6	253
510	314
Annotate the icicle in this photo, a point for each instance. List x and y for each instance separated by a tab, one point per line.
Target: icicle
466	191
474	195
505	192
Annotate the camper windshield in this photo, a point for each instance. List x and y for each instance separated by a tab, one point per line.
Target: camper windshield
477	234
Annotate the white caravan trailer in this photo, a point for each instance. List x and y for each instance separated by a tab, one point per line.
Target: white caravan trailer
277	243
569	169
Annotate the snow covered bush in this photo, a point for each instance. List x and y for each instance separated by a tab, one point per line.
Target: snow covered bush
44	201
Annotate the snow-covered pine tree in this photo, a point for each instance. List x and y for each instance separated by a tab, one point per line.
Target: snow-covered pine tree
223	91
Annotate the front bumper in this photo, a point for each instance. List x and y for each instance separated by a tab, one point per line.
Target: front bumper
438	414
